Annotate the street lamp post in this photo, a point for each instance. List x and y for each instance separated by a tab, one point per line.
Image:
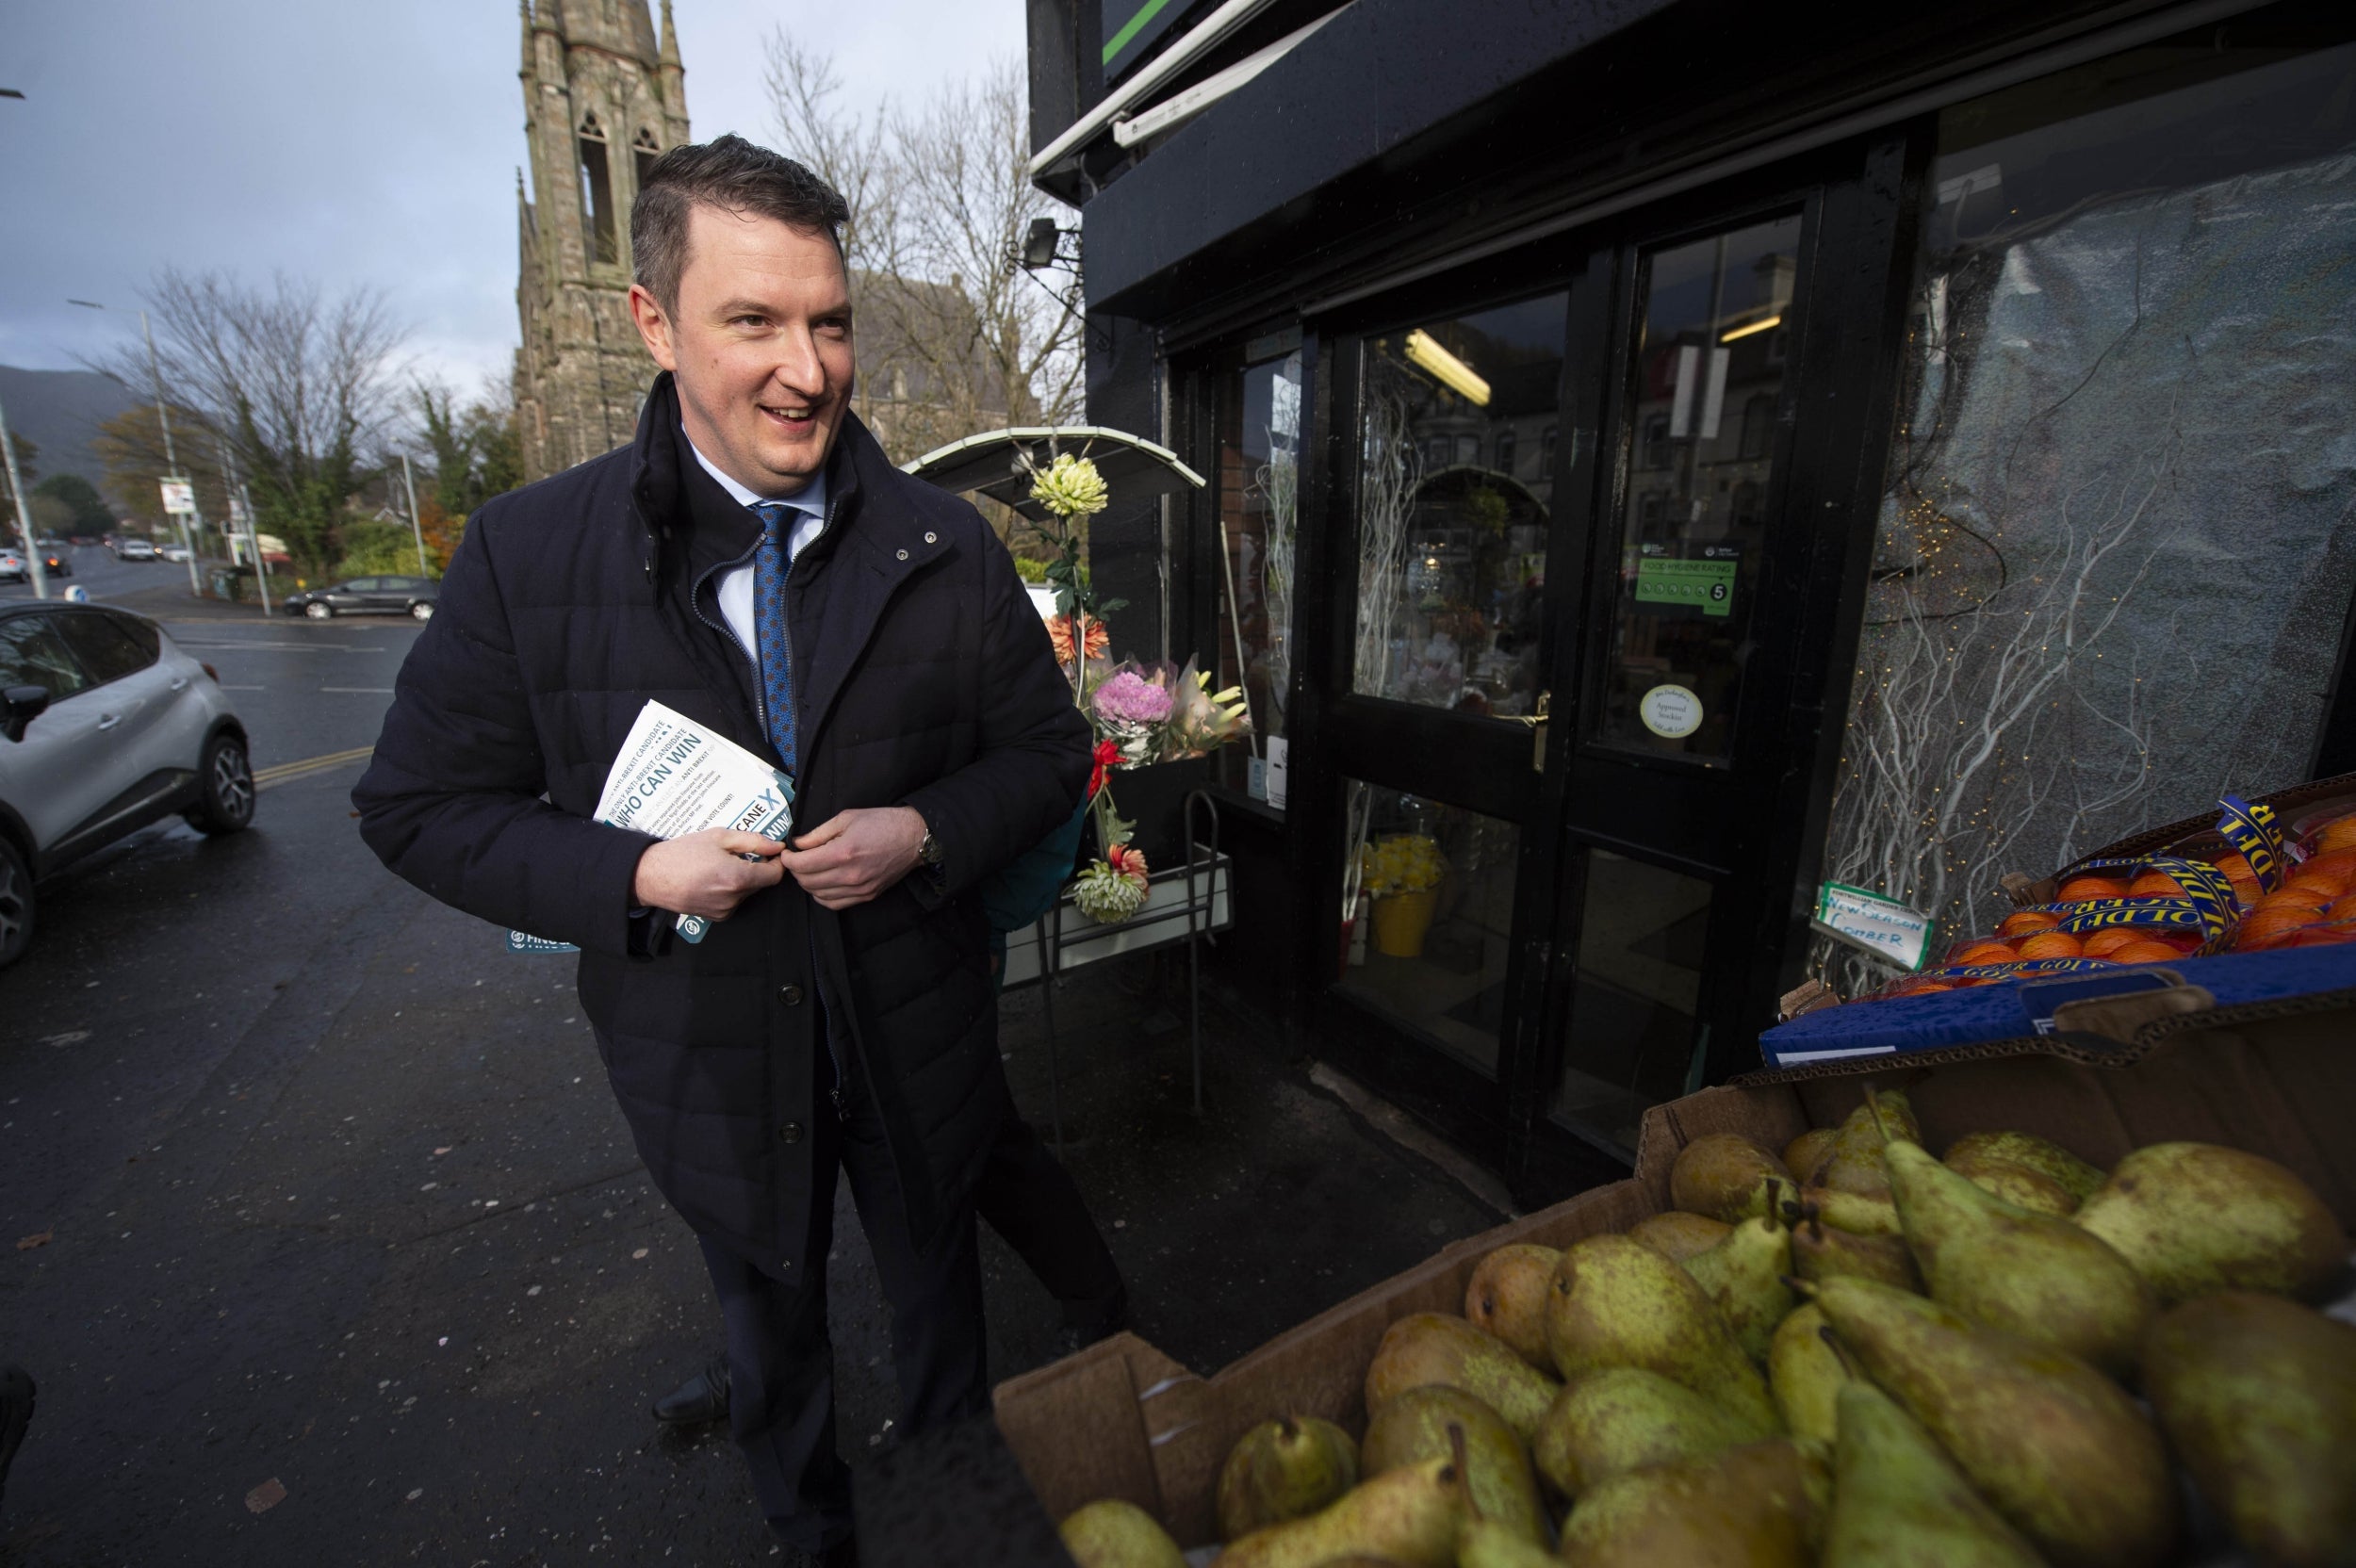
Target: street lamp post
23	513
172	460
416	527
239	499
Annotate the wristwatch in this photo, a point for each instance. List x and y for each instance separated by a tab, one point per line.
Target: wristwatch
928	853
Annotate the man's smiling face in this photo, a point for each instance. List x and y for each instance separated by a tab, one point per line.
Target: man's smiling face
760	340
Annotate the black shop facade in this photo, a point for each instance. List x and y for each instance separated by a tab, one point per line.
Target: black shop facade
1661	459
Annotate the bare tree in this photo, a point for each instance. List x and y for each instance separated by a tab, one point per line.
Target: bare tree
295	385
954	337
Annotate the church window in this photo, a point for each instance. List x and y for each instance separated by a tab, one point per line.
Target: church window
596	191
643	153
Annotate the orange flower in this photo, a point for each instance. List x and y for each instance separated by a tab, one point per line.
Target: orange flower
1100	641
1127	862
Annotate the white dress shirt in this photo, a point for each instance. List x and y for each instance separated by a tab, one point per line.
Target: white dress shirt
735	586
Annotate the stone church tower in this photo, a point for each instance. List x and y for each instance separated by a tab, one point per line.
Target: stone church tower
602	100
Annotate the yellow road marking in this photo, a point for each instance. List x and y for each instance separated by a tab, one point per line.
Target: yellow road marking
265	777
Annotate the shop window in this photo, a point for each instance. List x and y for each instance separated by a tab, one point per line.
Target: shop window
1630	1040
1451	555
1504	462
1431	887
2118	540
1687	575
1259	511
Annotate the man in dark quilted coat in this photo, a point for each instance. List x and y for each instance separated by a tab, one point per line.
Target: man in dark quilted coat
754	561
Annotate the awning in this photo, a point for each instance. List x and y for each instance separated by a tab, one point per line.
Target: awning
993	463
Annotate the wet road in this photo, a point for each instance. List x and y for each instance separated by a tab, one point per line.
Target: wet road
307	1187
306	1183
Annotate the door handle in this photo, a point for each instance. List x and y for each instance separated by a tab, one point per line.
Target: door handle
181	684
1537	722
108	721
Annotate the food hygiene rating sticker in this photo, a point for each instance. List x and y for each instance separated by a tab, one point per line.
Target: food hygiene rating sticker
1672	713
1704	585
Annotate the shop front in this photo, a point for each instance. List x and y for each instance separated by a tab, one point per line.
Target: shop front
1658	464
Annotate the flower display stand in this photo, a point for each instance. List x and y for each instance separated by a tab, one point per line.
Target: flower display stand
1186	904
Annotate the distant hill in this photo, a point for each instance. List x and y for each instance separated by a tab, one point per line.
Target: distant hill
59	410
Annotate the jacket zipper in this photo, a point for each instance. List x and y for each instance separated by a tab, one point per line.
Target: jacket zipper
760	711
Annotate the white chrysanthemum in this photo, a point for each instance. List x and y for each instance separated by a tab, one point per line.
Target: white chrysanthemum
1070	487
1105	896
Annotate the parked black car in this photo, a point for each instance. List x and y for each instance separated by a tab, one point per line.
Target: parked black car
369	596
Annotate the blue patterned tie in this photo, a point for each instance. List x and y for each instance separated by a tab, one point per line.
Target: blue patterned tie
776	652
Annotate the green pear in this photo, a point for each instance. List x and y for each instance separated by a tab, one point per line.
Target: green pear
2020	1186
1725	1177
2030	1274
1616	1302
1486	1543
1281	1470
1759	1505
2194	1218
1806	1155
1819	1251
1744	1276
1507	1297
2026	1150
1853	1212
1110	1533
1435	1347
1410	1516
2063	1454
1413	1427
1624	1418
1854	1164
1897	1498
1806	1375
1678	1235
2258	1397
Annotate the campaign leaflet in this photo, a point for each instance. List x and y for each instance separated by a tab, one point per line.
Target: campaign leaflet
673	777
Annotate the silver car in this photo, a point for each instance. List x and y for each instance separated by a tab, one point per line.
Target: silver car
106	726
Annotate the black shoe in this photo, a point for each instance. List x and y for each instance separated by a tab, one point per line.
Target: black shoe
700	1398
16	1414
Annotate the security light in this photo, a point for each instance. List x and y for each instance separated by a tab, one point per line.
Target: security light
1038	245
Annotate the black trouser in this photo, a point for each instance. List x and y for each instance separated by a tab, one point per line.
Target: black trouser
1028	1198
782	1362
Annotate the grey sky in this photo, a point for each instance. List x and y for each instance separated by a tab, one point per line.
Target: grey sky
350	144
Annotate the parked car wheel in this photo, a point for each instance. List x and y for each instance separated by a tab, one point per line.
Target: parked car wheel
319	611
420	611
16	903
227	779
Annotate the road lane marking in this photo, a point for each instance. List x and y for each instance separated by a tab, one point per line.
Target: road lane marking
382	690
245	688
283	771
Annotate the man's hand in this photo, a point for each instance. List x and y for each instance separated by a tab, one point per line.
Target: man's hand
853	856
705	873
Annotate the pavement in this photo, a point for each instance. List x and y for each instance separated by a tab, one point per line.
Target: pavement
329	1244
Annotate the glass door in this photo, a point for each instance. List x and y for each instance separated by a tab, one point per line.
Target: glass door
1441	593
1596	540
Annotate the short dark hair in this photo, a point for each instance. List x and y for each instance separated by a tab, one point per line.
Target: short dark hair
730	173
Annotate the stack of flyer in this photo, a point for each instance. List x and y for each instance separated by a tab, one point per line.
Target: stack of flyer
674	777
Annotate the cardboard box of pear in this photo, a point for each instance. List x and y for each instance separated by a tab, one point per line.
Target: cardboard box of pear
1121	1420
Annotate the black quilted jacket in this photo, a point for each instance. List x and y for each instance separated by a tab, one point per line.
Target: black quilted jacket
923	678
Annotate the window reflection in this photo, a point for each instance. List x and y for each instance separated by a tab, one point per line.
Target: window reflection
1431	887
1709	382
1259	489
1456	480
1638	990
